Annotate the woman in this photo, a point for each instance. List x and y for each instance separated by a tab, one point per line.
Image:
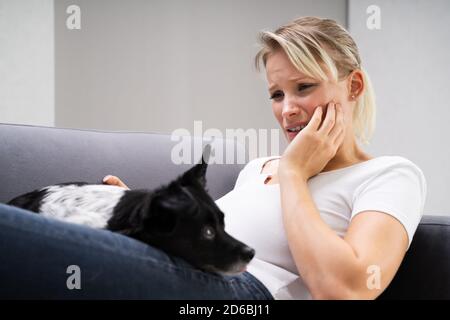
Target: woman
339	218
326	219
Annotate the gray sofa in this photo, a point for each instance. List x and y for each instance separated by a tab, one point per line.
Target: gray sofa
33	156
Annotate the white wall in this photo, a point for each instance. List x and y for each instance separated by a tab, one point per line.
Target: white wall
407	60
27	62
158	65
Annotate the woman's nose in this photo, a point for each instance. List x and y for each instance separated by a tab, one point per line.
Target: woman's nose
290	108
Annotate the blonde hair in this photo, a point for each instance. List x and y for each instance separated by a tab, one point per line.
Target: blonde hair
315	46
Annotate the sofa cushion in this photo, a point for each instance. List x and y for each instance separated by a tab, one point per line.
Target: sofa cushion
425	271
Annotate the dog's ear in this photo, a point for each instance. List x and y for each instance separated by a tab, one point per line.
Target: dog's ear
198	172
206	153
129	219
163	214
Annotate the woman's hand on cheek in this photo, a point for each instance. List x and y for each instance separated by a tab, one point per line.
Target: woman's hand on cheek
314	146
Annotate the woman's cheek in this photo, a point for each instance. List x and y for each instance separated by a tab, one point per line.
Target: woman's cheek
277	109
312	101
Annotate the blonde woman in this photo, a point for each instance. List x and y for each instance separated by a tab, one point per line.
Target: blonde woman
327	220
341	219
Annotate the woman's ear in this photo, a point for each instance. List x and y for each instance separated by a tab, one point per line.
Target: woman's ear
355	84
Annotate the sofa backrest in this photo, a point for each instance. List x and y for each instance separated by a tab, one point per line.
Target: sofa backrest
32	157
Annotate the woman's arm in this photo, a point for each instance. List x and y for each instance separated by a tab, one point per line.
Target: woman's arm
334	267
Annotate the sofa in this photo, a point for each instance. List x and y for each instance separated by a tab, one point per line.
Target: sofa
35	156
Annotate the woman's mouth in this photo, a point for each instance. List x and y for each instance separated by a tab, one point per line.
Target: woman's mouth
292	132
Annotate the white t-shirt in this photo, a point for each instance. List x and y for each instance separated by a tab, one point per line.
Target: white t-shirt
391	184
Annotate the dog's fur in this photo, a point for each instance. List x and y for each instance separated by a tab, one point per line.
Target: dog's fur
179	218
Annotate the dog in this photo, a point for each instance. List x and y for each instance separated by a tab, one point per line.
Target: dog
179	218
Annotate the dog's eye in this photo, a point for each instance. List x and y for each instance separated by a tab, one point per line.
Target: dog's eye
209	233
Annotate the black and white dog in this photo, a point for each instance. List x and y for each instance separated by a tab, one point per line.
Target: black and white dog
179	218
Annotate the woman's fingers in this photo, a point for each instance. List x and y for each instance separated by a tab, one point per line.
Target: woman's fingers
316	119
114	181
338	127
330	119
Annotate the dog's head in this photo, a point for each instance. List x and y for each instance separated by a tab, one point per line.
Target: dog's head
183	220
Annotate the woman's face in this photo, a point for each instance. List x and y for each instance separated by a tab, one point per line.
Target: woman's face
295	96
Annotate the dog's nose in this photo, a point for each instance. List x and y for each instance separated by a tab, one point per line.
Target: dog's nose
247	253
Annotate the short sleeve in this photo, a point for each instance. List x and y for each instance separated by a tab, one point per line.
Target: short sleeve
249	170
399	190
240	179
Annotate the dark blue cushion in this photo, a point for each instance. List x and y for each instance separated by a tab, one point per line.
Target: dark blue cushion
425	271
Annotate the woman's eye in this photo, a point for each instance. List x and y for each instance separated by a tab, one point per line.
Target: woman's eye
303	87
209	233
277	95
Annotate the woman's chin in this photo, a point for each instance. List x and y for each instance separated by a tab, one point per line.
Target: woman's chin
291	135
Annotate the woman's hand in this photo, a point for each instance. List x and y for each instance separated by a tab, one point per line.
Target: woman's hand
315	145
114	181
